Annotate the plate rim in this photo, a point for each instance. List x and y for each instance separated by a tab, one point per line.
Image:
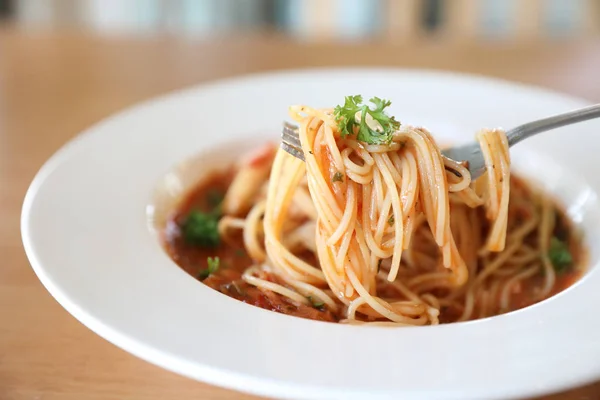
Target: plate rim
242	382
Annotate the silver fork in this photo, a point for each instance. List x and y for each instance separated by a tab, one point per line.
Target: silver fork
471	153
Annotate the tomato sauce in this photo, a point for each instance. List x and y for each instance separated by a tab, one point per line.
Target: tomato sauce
234	259
232	255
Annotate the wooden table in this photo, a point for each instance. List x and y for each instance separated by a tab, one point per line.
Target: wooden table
53	85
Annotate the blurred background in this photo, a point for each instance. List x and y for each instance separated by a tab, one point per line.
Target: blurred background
316	19
66	64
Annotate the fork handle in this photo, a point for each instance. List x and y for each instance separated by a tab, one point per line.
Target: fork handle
524	131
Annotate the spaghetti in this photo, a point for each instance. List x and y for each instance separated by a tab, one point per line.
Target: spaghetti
389	232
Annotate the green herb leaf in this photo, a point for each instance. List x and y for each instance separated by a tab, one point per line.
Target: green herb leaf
559	255
391	220
201	229
374	127
379	265
316	303
338	177
213	266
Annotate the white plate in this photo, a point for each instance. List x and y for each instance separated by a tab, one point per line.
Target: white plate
85	231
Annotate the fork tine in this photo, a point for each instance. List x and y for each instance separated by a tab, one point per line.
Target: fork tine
292	127
291	142
290	135
291	139
291	132
293	151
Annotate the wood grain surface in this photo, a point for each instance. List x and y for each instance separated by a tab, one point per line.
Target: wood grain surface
53	85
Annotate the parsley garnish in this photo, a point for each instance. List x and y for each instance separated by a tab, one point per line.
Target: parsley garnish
559	255
338	177
213	266
201	229
379	131
316	303
391	220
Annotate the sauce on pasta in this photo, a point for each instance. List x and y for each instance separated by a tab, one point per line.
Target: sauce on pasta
375	226
235	260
